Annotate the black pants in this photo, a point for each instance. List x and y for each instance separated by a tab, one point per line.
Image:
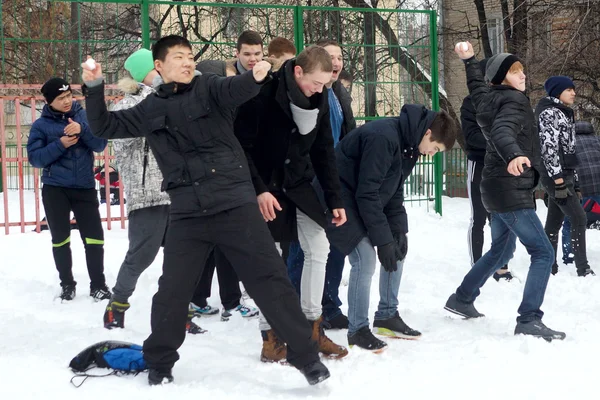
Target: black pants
229	283
479	214
243	235
576	214
58	204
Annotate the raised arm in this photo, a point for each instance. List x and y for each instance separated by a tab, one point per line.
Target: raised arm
234	91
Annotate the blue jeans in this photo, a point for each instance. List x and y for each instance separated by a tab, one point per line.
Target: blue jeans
566	231
363	260
333	277
506	228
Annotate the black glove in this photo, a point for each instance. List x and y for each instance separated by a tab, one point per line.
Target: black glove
401	245
561	193
387	256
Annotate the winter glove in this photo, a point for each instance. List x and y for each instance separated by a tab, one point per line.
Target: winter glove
401	245
387	256
561	193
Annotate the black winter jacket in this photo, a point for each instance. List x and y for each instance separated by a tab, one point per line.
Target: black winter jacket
508	123
281	160
190	131
373	161
475	142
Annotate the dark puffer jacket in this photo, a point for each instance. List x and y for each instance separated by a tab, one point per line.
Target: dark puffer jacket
587	151
508	124
373	161
71	167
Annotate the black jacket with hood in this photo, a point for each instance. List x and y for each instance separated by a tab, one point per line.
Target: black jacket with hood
508	123
373	161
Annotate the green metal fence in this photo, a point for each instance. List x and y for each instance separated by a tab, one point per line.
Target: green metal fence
391	54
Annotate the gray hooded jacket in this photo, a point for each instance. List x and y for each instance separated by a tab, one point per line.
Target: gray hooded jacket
137	166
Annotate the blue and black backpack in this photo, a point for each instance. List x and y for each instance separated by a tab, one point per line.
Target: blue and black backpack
122	357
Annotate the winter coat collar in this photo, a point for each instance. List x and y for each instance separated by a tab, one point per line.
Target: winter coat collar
414	120
288	91
553	102
173	88
49	112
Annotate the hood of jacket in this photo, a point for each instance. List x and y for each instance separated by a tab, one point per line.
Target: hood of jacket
414	120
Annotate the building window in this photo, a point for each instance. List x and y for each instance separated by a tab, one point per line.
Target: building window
496	33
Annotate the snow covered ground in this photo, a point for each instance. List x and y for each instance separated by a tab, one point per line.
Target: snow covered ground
455	359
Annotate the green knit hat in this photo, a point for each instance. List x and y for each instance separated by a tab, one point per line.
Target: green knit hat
139	64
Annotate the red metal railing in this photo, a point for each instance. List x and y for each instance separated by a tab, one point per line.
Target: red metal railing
21	160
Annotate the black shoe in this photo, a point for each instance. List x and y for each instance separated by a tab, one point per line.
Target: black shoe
365	339
554	269
507	275
338	322
114	314
159	376
68	292
101	293
539	330
395	328
463	309
315	372
585	272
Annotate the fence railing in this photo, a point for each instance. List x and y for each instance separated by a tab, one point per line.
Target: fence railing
391	54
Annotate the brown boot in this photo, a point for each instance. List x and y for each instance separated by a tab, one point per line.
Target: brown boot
326	346
273	350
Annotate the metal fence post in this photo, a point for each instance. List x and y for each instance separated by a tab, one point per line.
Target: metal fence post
438	159
299	28
145	24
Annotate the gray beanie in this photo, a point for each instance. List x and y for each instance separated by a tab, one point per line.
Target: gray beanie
498	66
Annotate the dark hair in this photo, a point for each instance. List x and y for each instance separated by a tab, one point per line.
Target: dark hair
345	75
161	48
314	57
250	38
328	42
444	129
279	46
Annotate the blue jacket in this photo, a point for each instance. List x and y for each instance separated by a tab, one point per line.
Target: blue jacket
71	167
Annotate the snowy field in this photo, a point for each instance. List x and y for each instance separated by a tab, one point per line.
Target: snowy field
455	359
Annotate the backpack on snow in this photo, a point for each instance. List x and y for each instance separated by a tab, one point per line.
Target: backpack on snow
122	357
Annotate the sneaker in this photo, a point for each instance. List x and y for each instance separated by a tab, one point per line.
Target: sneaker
159	376
365	339
395	328
101	293
554	268
507	275
273	349
340	321
68	292
114	314
583	272
200	311
245	312
315	372
539	330
466	310
193	328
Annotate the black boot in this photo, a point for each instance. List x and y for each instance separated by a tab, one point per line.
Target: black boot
315	372
395	328
338	322
585	271
539	330
466	310
68	292
114	314
159	376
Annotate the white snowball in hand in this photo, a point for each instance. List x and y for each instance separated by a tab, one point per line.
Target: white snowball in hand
91	63
464	46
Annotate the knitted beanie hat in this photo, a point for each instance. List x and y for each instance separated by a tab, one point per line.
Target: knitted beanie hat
498	66
139	64
555	85
54	87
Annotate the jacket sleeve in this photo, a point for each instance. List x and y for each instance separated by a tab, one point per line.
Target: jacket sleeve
39	152
396	213
376	159
322	157
550	126
478	89
93	143
247	131
470	128
123	124
235	90
505	128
